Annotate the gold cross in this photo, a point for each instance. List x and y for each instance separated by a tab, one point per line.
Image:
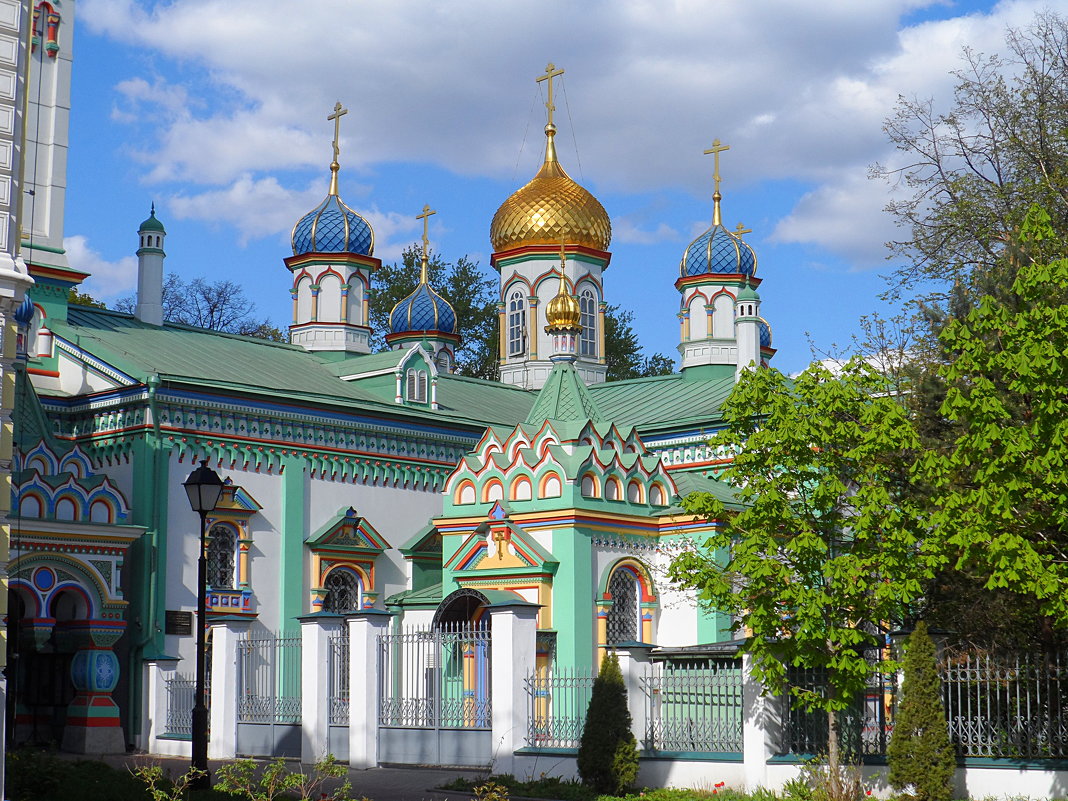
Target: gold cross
741	229
550	72
716	149
339	112
500	537
425	217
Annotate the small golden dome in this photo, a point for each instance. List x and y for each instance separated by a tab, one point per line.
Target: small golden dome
563	311
550	208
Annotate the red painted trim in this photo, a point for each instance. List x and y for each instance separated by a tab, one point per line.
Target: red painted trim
49	373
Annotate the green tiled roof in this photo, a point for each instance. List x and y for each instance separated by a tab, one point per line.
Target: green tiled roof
661	401
695	482
564	397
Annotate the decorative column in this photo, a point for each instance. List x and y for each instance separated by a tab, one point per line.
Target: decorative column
93	717
315	633
226	634
513	654
364	628
532	327
502	343
601	357
314	302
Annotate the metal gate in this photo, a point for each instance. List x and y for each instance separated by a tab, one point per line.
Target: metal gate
269	695
434	696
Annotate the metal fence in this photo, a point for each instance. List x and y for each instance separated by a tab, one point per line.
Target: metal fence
556	707
338	672
435	678
269	679
694	706
1007	707
181	694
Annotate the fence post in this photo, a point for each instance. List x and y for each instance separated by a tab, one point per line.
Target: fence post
514	628
225	634
154	703
315	632
634	662
761	727
364	628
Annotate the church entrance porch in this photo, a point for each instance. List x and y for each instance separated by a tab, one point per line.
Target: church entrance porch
434	700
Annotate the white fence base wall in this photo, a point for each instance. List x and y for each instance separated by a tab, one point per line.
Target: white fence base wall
154	710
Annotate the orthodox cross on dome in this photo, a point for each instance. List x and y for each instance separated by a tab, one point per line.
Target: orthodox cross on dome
715	150
741	229
550	72
425	217
563	265
339	112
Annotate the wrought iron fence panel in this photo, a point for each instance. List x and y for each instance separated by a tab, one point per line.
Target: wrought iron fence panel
435	678
1006	706
864	727
556	707
181	694
694	706
338	671
269	679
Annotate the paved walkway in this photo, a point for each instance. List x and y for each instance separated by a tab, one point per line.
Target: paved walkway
378	784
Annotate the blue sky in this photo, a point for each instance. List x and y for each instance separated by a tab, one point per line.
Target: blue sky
217	112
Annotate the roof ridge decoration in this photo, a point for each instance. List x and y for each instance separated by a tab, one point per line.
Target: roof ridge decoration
564	397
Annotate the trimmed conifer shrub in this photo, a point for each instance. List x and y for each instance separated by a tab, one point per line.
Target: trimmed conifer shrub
608	752
920	752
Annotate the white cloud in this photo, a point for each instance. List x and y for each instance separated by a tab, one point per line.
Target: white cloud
629	231
798	90
108	280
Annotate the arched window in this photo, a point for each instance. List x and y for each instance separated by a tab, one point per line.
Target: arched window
723	317
443	361
698	318
517	327
66	509
589	486
634	492
551	487
612	489
624	616
304	300
221	547
100	512
588	307
656	495
466	493
355	311
343	591
521	490
416	385
493	491
30	506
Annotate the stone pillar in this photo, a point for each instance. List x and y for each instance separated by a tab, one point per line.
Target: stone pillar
761	727
154	700
315	633
513	653
226	634
93	717
634	664
364	628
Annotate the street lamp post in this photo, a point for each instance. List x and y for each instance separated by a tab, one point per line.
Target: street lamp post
203	488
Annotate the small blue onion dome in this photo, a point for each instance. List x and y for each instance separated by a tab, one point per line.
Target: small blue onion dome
765	333
332	227
24	313
423	310
717	250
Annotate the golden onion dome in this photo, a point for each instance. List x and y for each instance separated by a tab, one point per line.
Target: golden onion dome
550	208
563	311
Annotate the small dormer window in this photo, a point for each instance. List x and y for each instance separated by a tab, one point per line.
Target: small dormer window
417	380
442	361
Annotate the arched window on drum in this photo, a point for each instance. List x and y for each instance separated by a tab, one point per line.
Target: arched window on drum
517	326
588	319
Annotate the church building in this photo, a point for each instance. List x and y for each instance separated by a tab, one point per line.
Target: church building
354	480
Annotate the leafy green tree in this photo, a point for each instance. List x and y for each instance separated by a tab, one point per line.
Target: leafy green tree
826	546
1000	486
920	751
972	171
471	292
608	752
623	353
76	298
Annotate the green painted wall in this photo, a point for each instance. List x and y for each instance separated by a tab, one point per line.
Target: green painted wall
291	564
573	593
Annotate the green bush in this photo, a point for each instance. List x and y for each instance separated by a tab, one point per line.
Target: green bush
608	752
920	752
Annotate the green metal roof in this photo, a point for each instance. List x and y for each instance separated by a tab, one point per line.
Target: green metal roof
564	397
695	482
661	401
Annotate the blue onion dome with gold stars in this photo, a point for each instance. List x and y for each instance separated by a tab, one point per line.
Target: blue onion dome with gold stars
718	251
332	227
423	310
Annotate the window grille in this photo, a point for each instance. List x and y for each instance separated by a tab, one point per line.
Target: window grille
623	615
342	591
221	547
416	385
